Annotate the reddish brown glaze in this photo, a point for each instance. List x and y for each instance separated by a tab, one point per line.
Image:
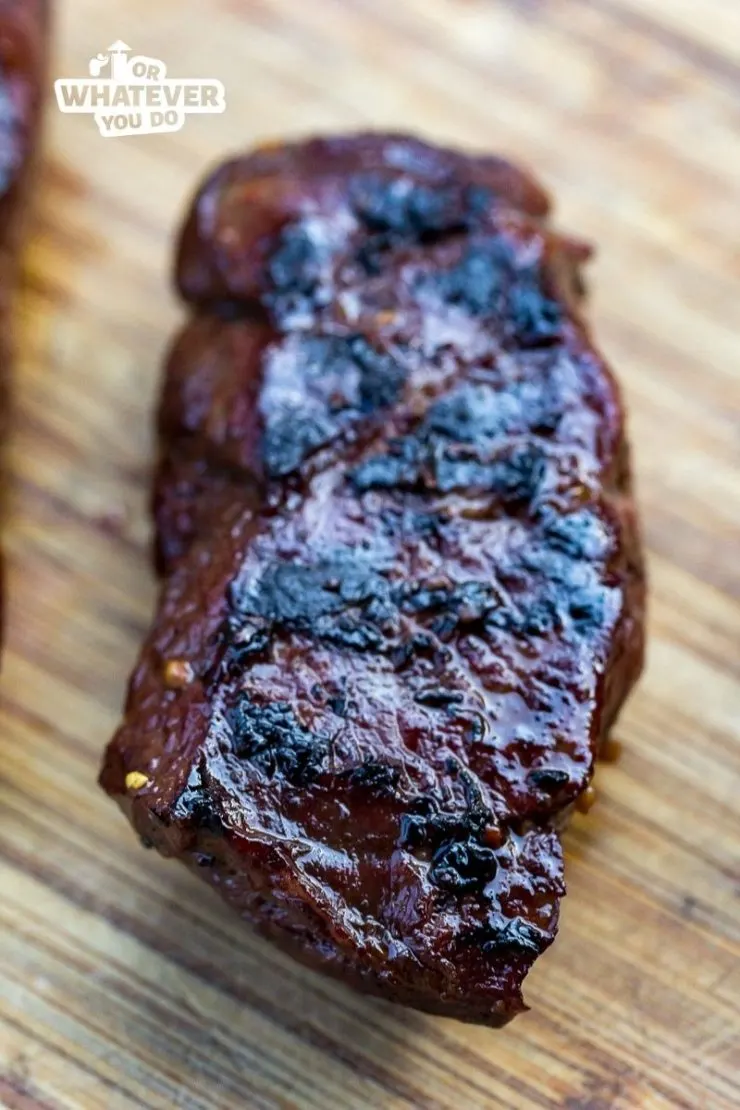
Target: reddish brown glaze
23	43
404	591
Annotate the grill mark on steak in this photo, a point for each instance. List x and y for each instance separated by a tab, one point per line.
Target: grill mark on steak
405	588
342	379
425	464
350	601
319	377
488	280
395	212
398	213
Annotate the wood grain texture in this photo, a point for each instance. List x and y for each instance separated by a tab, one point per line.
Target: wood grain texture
122	983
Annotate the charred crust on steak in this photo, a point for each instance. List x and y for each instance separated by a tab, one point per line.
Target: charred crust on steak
342	378
271	738
412	212
376	777
402	561
194	806
516	935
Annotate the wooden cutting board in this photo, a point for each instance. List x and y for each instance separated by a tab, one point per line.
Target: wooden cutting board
123	983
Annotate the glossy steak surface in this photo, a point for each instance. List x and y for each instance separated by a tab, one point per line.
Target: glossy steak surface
403	589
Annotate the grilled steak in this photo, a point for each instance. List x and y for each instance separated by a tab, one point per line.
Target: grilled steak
23	33
403	594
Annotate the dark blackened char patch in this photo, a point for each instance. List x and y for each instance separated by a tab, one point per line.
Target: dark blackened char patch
338	703
563	600
477	283
537	615
381	377
460	860
340	601
291	438
514	479
587	608
426	464
419	645
410	211
454	448
325	384
537	320
580	535
549	779
449	609
477	813
377	778
351	631
271	738
463	866
393	211
295	594
489	281
194	806
295	275
516	935
406	209
429	825
414	831
371	254
350	602
245	643
396	469
468	414
400	212
438	698
573	597
476	412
